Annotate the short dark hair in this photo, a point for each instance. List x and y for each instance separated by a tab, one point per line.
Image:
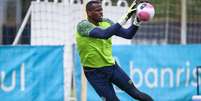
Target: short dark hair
90	3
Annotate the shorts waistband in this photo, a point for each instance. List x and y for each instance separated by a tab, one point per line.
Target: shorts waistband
92	68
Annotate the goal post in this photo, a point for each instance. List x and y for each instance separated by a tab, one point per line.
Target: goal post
19	33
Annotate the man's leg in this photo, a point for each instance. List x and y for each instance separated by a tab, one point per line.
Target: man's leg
99	79
121	79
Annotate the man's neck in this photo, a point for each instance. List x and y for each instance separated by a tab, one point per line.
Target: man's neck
94	22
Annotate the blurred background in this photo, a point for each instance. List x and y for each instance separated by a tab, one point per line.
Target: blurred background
173	18
53	22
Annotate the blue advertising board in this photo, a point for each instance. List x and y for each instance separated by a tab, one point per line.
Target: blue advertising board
165	72
31	73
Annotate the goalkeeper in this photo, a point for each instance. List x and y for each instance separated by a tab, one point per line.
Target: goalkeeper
94	45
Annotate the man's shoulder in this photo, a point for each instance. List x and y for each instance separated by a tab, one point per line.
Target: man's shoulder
108	20
84	27
83	22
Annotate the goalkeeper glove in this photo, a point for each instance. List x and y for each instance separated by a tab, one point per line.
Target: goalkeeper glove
136	21
130	12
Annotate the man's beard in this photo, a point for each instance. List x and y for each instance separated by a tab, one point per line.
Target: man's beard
100	19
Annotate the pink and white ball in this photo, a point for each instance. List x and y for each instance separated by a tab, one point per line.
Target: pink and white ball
145	12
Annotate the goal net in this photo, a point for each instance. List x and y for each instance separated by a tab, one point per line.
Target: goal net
50	26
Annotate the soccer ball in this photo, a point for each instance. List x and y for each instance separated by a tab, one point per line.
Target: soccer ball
145	12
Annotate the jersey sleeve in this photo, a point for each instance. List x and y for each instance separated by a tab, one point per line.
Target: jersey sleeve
84	27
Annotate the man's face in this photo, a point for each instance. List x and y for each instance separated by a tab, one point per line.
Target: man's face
96	12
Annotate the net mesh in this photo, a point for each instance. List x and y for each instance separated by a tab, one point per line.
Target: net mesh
48	23
50	26
194	21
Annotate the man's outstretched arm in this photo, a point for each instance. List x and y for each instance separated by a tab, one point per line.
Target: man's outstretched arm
105	33
127	33
131	31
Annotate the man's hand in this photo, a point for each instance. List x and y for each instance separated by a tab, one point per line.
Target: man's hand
130	12
136	21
